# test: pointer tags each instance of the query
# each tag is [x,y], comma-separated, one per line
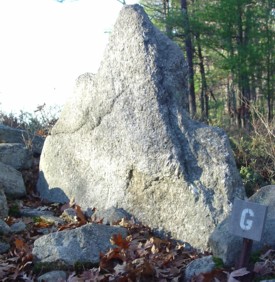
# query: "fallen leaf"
[19,244]
[80,215]
[118,240]
[237,273]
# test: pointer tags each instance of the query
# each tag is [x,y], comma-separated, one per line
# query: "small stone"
[69,215]
[4,247]
[110,216]
[198,266]
[18,227]
[3,203]
[30,212]
[4,228]
[52,276]
[53,219]
[12,181]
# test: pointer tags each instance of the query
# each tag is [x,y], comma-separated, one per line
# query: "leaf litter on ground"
[141,256]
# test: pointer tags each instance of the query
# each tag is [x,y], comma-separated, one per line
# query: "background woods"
[229,46]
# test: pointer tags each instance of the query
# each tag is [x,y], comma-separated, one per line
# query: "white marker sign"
[248,219]
[245,223]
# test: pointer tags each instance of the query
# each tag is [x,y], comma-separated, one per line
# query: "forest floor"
[141,256]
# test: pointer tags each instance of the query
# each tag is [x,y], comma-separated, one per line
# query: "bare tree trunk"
[204,88]
[243,79]
[189,55]
[270,87]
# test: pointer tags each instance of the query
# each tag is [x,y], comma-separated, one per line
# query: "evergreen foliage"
[234,65]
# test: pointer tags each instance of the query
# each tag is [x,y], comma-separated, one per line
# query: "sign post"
[247,221]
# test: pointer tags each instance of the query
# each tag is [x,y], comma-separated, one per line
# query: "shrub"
[255,152]
[40,122]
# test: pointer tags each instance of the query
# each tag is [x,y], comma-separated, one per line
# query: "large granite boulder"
[125,140]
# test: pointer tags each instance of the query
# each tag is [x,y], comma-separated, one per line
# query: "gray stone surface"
[3,203]
[4,247]
[35,212]
[228,247]
[18,227]
[4,227]
[12,181]
[53,219]
[53,276]
[110,216]
[69,215]
[198,266]
[16,155]
[129,142]
[13,135]
[82,244]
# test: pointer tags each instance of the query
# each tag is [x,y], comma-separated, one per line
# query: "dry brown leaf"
[19,244]
[118,240]
[80,215]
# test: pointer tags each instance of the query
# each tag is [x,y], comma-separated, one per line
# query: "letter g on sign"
[245,223]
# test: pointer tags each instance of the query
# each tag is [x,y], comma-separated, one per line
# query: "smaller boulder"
[12,181]
[35,212]
[4,228]
[82,245]
[13,135]
[198,266]
[3,203]
[69,215]
[228,246]
[16,155]
[111,216]
[18,227]
[53,276]
[4,247]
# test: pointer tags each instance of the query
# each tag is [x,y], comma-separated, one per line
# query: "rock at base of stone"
[198,266]
[3,203]
[12,181]
[228,246]
[82,245]
[53,276]
[110,216]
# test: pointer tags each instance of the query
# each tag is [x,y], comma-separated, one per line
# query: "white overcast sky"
[45,45]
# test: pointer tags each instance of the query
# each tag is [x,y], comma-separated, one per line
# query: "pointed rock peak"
[140,63]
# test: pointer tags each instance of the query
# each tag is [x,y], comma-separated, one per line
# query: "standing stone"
[125,140]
